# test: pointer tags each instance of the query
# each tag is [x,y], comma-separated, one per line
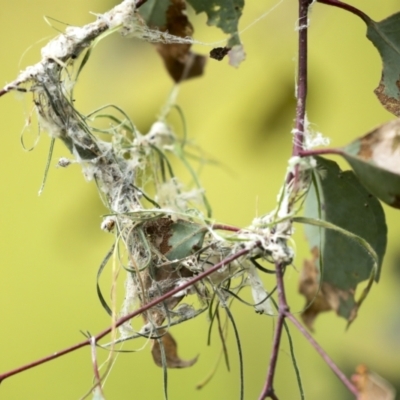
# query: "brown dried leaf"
[374,157]
[320,297]
[382,146]
[157,280]
[179,61]
[171,353]
[159,232]
[371,386]
[385,37]
[391,104]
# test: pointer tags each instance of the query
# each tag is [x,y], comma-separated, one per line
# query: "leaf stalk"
[346,7]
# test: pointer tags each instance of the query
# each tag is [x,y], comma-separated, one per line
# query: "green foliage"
[338,198]
[224,14]
[185,238]
[154,12]
[385,35]
[166,240]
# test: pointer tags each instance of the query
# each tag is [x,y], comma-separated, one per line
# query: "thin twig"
[122,320]
[317,152]
[331,364]
[302,80]
[224,227]
[298,150]
[347,7]
[292,178]
[283,308]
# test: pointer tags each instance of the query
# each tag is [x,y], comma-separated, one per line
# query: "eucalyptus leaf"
[375,160]
[223,14]
[171,17]
[345,256]
[186,237]
[154,12]
[385,35]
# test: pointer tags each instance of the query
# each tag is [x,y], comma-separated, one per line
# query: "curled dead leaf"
[382,146]
[180,62]
[374,158]
[171,352]
[371,386]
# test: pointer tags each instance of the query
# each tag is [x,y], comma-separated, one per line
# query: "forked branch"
[293,179]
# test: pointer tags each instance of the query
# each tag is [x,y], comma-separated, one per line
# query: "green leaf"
[344,256]
[154,12]
[385,35]
[375,160]
[223,14]
[186,237]
[175,240]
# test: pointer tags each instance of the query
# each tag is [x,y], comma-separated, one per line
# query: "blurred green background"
[51,246]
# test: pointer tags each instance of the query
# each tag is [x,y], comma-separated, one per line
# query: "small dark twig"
[139,3]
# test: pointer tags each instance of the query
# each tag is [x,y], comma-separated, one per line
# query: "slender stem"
[268,389]
[95,366]
[122,320]
[323,354]
[317,152]
[283,308]
[302,80]
[347,7]
[299,151]
[224,227]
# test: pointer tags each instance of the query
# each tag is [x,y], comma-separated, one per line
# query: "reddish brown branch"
[323,354]
[298,150]
[268,390]
[347,7]
[318,152]
[301,90]
[302,80]
[224,227]
[122,320]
